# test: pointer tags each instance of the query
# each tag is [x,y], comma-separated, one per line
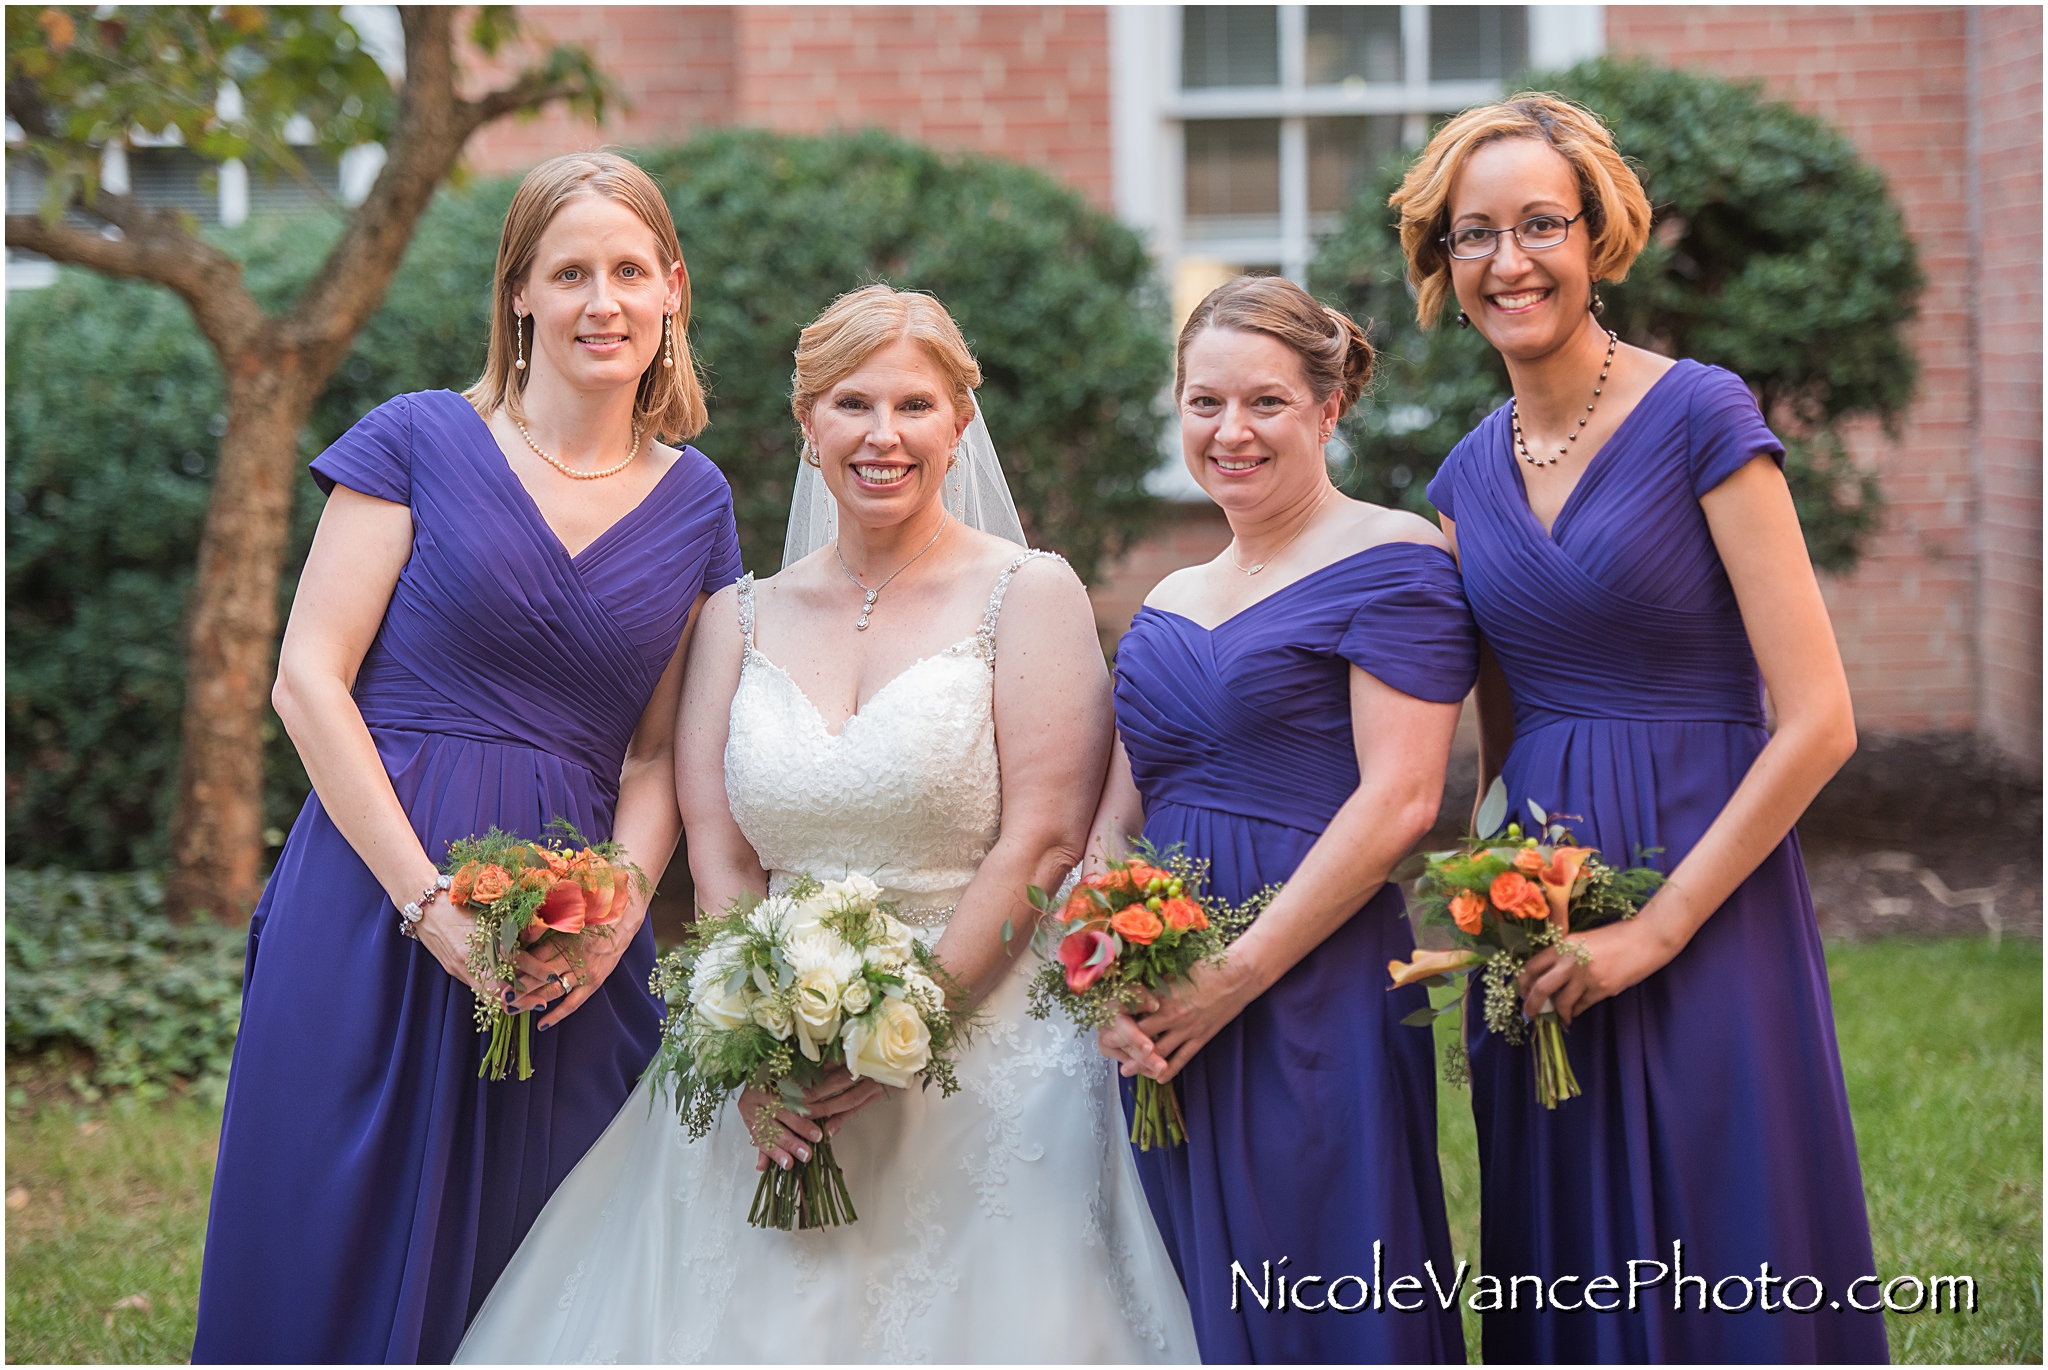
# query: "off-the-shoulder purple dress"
[370,1187]
[1312,1116]
[1713,1112]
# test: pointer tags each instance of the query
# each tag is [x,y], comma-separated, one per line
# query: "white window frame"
[1149,111]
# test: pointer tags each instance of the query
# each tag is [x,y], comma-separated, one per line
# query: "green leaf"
[1536,811]
[1493,810]
[1009,931]
[1422,1017]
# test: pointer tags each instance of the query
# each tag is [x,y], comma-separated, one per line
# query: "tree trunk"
[217,828]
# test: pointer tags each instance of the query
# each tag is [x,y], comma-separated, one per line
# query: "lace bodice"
[908,792]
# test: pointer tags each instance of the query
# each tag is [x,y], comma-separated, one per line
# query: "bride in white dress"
[846,715]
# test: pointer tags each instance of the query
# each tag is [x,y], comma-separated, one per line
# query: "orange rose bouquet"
[1503,899]
[521,893]
[1138,926]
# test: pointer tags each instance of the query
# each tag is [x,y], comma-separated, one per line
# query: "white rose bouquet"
[777,991]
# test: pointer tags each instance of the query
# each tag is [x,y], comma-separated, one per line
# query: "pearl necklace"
[570,471]
[868,605]
[1231,550]
[1515,412]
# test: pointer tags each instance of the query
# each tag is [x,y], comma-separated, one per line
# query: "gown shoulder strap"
[985,635]
[745,585]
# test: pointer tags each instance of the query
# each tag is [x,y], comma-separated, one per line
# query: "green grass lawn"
[1941,1042]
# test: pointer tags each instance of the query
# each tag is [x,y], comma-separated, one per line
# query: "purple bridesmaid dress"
[1312,1116]
[370,1187]
[1713,1113]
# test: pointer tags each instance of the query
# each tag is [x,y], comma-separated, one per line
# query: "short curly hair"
[1610,193]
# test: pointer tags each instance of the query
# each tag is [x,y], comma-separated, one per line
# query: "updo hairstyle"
[670,400]
[861,323]
[1610,193]
[1334,353]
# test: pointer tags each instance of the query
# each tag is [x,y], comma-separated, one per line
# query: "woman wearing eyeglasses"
[1630,551]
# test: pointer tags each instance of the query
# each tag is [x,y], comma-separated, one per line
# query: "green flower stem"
[1554,1079]
[1156,1119]
[812,1194]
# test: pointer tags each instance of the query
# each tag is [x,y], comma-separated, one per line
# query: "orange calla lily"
[1557,879]
[1428,963]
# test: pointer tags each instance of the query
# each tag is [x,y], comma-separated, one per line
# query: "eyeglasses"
[1544,230]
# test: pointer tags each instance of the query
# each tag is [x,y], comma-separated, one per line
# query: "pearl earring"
[668,356]
[519,340]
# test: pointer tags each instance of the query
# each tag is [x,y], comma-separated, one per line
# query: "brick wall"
[673,65]
[1027,82]
[2007,67]
[1896,81]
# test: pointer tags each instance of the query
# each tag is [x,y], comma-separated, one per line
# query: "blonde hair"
[1333,349]
[861,323]
[670,401]
[1610,194]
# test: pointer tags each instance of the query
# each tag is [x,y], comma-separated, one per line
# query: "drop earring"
[1599,306]
[519,340]
[668,344]
[1463,322]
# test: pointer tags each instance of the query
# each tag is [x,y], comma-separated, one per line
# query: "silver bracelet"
[409,916]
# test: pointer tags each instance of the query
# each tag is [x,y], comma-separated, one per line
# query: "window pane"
[175,178]
[1347,41]
[1229,45]
[1342,154]
[274,192]
[1233,167]
[1477,42]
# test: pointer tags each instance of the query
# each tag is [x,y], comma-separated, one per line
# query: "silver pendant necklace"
[868,606]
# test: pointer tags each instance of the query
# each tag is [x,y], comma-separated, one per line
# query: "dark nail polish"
[545,1026]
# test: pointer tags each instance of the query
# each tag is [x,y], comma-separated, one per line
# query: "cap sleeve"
[724,566]
[1727,430]
[1414,631]
[374,457]
[1440,488]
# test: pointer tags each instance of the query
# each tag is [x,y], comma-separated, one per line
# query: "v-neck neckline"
[1597,462]
[504,464]
[1324,569]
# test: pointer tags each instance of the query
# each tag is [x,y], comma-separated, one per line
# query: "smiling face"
[597,292]
[1527,304]
[1251,429]
[885,433]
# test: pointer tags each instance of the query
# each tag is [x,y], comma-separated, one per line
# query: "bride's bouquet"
[777,991]
[521,894]
[1504,898]
[1136,928]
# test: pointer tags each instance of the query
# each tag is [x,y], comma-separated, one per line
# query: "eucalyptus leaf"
[1493,810]
[1010,929]
[1422,1017]
[1536,810]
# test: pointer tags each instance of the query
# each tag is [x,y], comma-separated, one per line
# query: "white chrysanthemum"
[773,916]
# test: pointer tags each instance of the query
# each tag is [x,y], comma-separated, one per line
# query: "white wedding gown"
[1005,1223]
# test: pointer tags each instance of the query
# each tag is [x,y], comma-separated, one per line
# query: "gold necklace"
[1515,412]
[868,605]
[1231,550]
[571,472]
